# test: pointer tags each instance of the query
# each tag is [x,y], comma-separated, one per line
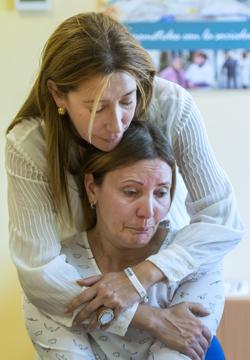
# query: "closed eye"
[99,109]
[127,103]
[162,193]
[130,192]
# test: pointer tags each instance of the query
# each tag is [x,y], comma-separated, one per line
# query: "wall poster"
[196,43]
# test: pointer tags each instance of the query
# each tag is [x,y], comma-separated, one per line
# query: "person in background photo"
[244,68]
[175,72]
[200,73]
[230,71]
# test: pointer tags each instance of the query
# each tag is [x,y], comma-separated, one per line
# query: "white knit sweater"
[36,234]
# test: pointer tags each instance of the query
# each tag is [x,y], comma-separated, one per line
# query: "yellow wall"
[22,36]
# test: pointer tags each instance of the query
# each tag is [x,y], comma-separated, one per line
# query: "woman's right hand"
[178,327]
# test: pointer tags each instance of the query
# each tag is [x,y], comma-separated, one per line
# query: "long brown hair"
[83,46]
[141,141]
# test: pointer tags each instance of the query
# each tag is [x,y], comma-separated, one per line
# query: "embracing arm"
[46,277]
[190,312]
[178,327]
[48,281]
[215,227]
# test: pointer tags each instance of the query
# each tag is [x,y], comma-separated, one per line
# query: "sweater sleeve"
[215,226]
[47,280]
[46,277]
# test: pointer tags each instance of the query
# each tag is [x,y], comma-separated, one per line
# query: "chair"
[215,351]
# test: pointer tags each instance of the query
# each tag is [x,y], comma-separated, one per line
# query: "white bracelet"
[137,284]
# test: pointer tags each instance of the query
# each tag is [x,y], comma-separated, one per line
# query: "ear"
[58,96]
[91,188]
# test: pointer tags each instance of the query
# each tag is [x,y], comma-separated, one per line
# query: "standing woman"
[94,78]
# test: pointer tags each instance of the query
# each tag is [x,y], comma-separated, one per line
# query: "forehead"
[150,171]
[118,84]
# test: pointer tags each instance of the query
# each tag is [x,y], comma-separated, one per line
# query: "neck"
[110,258]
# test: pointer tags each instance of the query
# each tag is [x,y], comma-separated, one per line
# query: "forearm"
[178,327]
[148,274]
[143,318]
[47,280]
[213,231]
[51,287]
[208,290]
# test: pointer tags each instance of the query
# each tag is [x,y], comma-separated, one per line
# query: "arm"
[184,322]
[178,327]
[215,227]
[46,278]
[48,281]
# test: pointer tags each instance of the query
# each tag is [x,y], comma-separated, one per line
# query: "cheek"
[80,121]
[111,207]
[163,210]
[128,115]
[120,211]
[128,120]
[132,113]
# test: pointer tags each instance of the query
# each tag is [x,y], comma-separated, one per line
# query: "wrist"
[143,318]
[148,274]
[137,284]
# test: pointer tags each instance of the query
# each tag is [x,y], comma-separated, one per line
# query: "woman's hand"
[113,290]
[178,327]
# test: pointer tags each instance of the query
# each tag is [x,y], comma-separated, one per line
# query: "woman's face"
[131,202]
[114,113]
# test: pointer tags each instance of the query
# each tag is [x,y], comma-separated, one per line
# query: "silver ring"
[105,316]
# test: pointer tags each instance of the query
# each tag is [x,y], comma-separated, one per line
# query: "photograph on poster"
[204,69]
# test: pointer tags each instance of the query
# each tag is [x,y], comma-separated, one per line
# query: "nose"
[114,121]
[146,208]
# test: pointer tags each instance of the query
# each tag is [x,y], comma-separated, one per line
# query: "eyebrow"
[167,183]
[103,100]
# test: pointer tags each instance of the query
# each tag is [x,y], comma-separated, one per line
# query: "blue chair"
[215,351]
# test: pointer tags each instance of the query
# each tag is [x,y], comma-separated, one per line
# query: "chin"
[142,241]
[109,147]
[105,147]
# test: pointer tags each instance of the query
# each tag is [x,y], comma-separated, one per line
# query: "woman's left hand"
[113,290]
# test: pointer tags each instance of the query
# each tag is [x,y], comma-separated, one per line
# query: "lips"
[114,138]
[140,229]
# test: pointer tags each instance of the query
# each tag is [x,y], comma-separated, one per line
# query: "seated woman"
[127,193]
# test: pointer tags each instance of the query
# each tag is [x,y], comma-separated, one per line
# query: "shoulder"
[171,96]
[27,139]
[174,103]
[165,89]
[26,131]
